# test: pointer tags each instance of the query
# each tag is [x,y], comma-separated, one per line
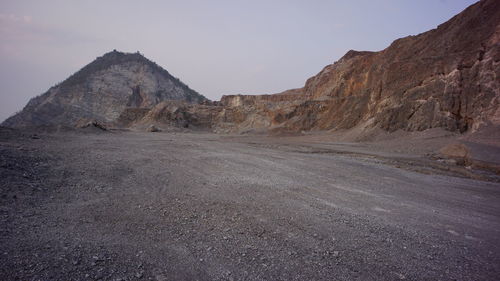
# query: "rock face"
[102,90]
[447,77]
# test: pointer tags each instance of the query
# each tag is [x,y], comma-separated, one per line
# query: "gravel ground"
[166,206]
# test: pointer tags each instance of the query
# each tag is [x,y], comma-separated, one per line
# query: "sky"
[216,47]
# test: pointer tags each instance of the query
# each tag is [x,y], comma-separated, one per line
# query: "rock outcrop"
[447,77]
[102,90]
[84,123]
[176,114]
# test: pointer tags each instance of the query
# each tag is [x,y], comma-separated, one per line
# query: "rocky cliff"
[447,77]
[102,90]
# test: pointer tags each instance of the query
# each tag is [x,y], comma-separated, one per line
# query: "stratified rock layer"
[447,77]
[102,90]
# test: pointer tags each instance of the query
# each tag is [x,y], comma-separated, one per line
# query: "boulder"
[456,151]
[153,129]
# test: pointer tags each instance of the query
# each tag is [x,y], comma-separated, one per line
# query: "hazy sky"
[216,47]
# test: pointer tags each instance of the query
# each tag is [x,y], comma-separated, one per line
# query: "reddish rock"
[456,151]
[446,77]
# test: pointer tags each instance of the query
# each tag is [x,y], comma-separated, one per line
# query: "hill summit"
[102,90]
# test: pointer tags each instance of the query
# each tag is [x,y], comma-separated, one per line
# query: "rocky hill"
[102,90]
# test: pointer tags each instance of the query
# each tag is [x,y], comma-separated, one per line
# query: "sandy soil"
[170,206]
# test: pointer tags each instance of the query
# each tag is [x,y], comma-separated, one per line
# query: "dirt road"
[164,206]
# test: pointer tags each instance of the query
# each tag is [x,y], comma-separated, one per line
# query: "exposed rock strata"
[447,77]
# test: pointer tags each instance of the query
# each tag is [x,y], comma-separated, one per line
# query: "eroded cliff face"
[102,90]
[447,77]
